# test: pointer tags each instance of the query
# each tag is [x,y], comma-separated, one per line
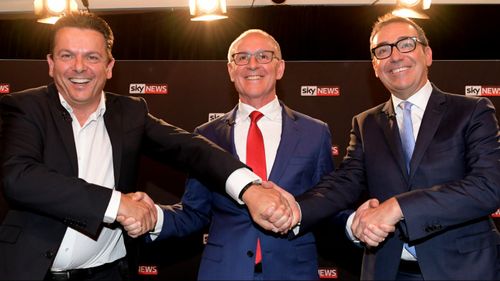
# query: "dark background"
[456,32]
[333,38]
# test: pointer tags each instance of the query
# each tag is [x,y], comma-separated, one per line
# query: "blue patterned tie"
[407,138]
[408,141]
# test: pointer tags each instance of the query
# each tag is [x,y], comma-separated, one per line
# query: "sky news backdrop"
[189,93]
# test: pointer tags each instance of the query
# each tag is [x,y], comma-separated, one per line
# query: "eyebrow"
[399,38]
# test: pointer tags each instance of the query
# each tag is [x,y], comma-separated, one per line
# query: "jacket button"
[250,253]
[49,254]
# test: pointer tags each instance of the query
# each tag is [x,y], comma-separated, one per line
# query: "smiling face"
[256,82]
[80,66]
[403,74]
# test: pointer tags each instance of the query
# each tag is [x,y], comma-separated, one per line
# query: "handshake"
[274,209]
[269,205]
[137,213]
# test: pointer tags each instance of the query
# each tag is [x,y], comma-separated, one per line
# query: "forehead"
[79,36]
[392,32]
[254,41]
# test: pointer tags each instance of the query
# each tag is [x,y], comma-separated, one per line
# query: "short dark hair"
[84,20]
[390,18]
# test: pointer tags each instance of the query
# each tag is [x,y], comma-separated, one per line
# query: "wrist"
[246,187]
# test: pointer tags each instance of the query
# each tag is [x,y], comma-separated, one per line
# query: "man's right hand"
[137,213]
[272,208]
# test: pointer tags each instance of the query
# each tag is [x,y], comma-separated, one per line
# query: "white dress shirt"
[95,165]
[269,125]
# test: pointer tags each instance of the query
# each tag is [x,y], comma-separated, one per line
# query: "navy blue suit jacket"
[303,156]
[447,199]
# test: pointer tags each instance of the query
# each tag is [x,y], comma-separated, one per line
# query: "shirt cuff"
[159,224]
[348,230]
[237,180]
[296,228]
[112,210]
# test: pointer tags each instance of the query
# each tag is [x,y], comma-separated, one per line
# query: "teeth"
[253,77]
[79,80]
[399,69]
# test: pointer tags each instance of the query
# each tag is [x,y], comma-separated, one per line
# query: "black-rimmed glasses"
[404,45]
[262,57]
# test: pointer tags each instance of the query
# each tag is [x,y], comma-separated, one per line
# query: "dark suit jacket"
[303,156]
[453,187]
[39,165]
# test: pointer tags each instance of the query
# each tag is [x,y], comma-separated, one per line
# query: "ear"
[50,61]
[109,69]
[375,66]
[428,56]
[230,70]
[280,70]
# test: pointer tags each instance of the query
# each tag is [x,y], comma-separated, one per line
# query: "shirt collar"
[101,108]
[419,99]
[272,110]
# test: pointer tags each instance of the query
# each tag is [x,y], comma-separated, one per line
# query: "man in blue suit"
[297,152]
[434,221]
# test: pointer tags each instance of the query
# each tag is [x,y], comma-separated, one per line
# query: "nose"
[396,54]
[252,63]
[79,64]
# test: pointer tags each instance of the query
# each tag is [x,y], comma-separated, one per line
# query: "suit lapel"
[225,132]
[290,137]
[113,121]
[430,122]
[62,120]
[389,125]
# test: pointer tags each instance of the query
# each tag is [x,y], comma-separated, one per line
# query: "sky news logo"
[327,273]
[147,270]
[335,150]
[320,91]
[483,91]
[496,214]
[213,116]
[148,89]
[4,88]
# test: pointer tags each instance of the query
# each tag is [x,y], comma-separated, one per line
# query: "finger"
[370,242]
[265,224]
[132,227]
[387,228]
[373,233]
[128,221]
[147,199]
[373,203]
[268,213]
[134,233]
[283,225]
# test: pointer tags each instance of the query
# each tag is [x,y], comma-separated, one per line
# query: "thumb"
[374,203]
[268,184]
[137,196]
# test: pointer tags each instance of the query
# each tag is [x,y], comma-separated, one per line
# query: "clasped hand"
[272,207]
[137,213]
[373,221]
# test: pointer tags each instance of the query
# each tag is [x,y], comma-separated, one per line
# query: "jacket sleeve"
[32,153]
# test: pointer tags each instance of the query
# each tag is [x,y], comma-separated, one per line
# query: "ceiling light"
[49,11]
[207,10]
[412,8]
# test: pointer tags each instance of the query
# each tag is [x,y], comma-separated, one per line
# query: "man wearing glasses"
[296,152]
[429,160]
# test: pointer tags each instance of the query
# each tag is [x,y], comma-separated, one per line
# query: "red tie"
[256,159]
